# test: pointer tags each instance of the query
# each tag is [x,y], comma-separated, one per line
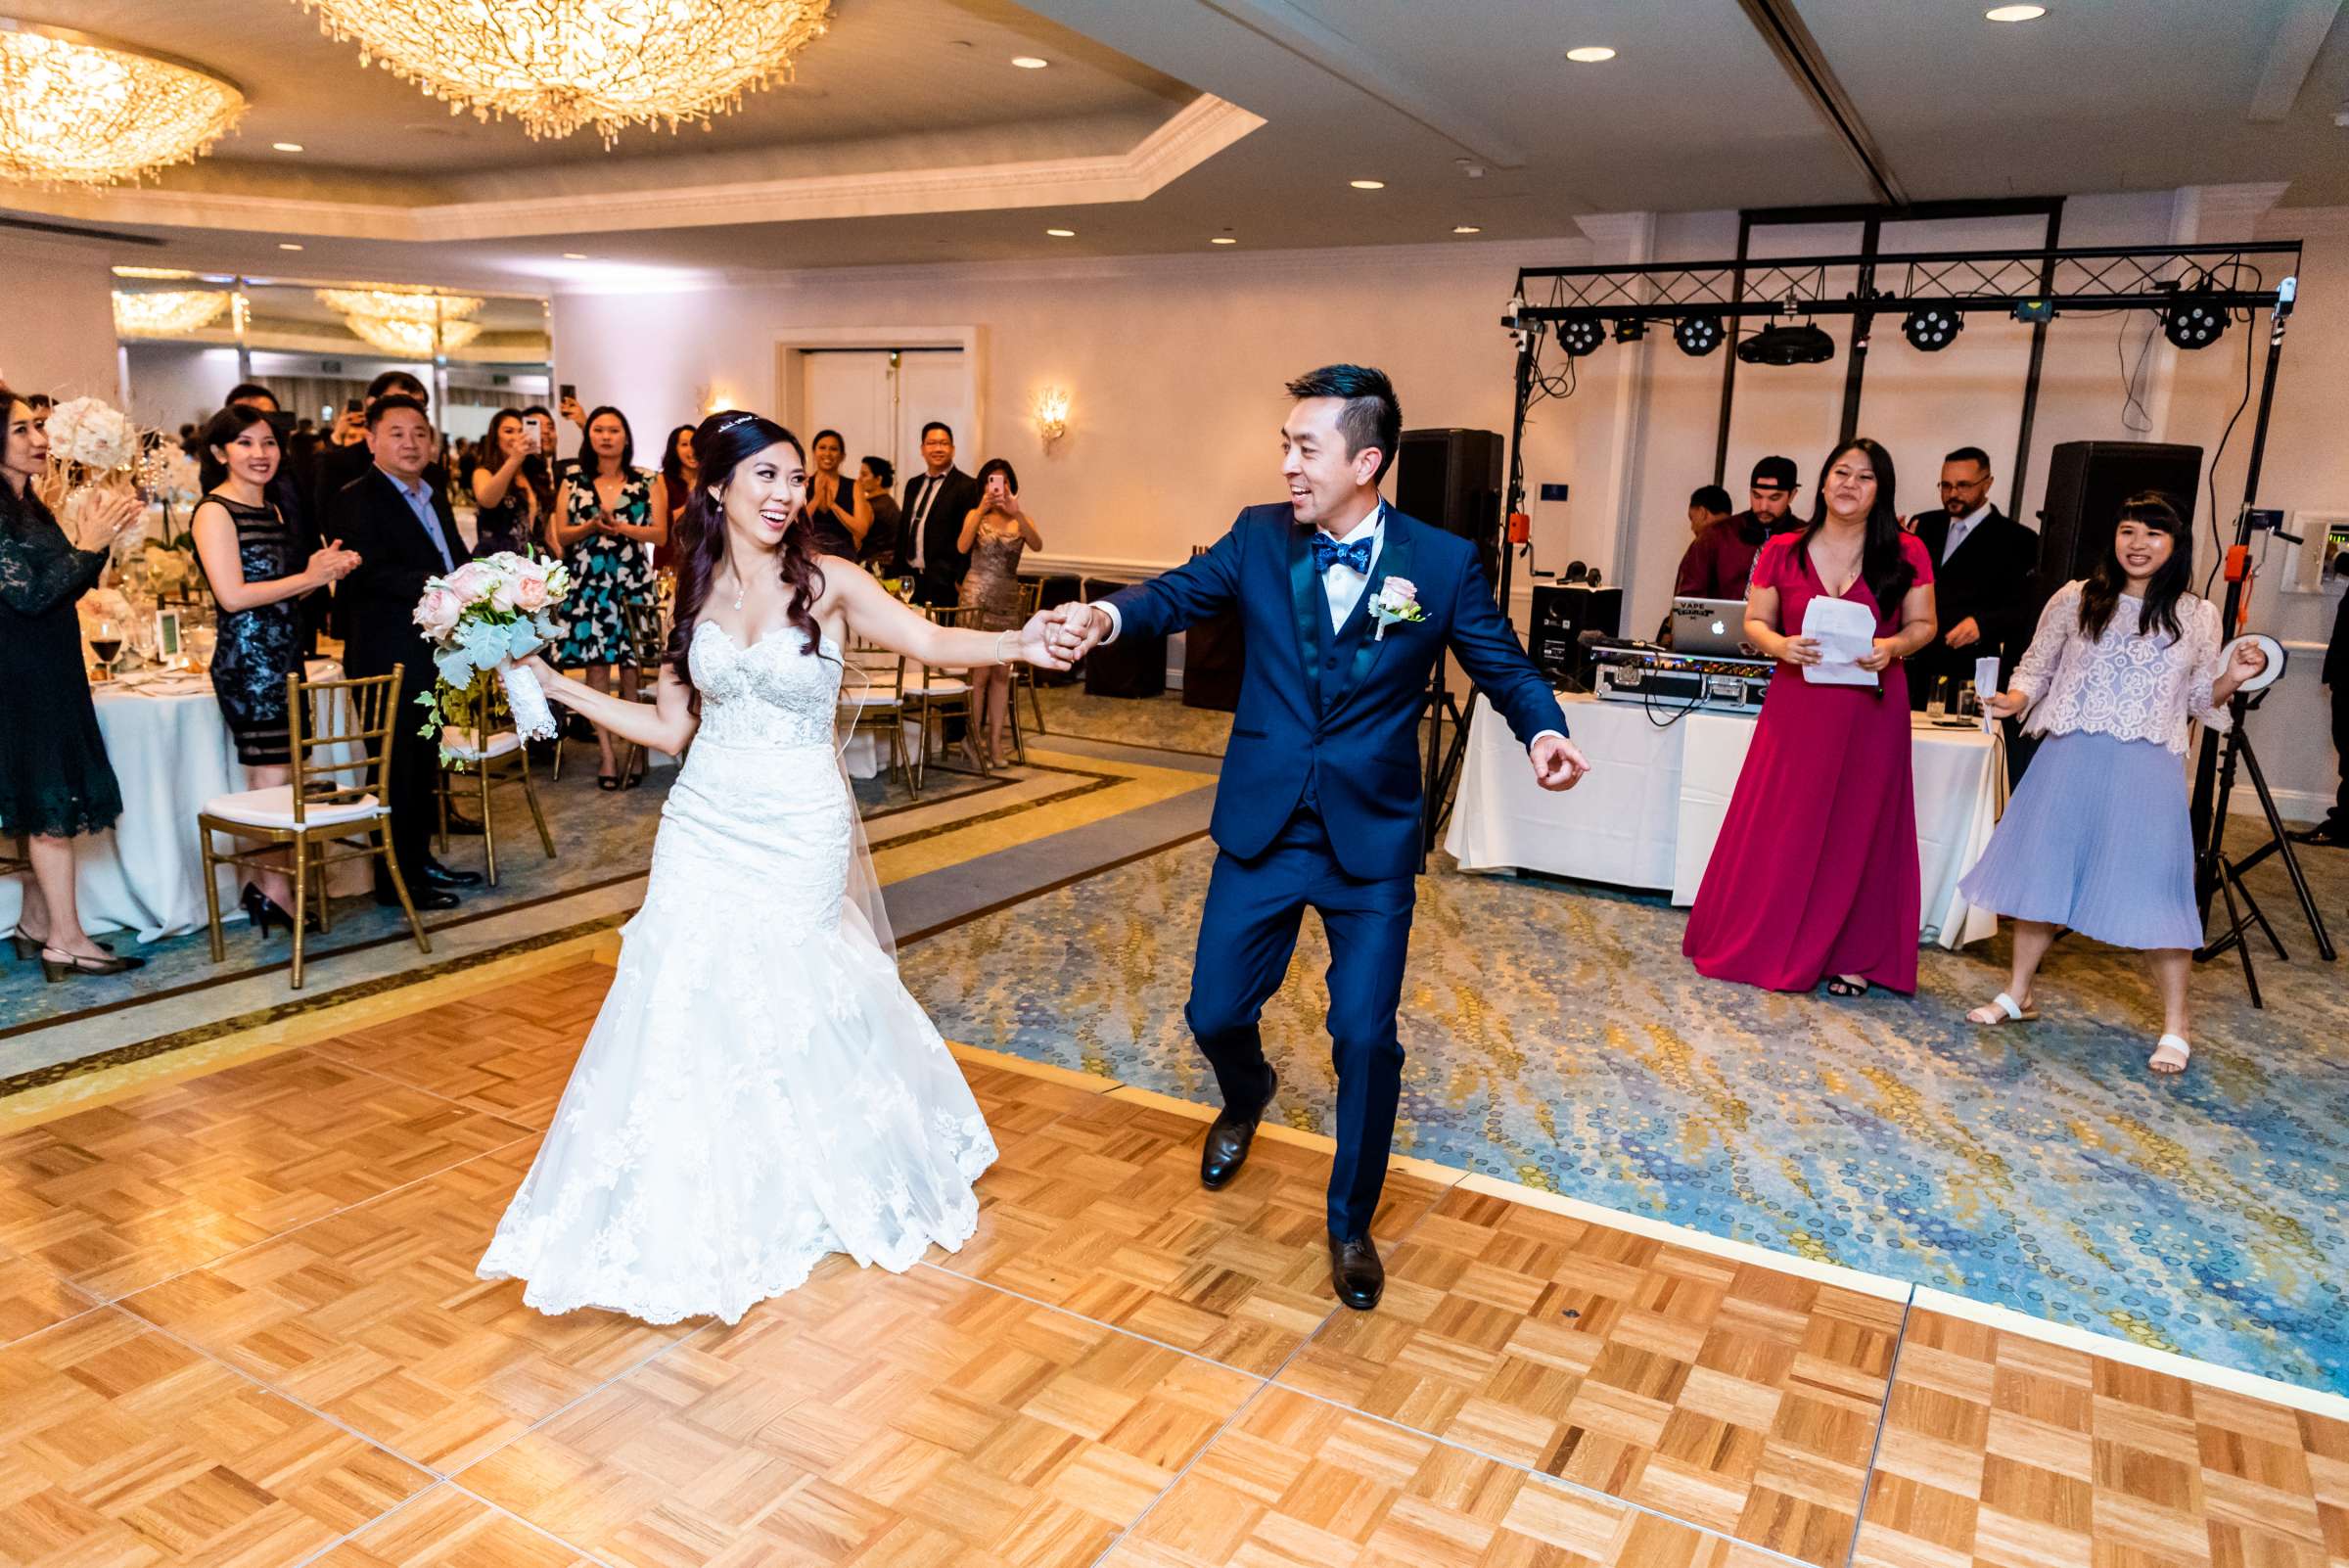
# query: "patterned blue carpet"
[1555,1036]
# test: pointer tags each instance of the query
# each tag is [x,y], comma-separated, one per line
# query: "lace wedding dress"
[758,1089]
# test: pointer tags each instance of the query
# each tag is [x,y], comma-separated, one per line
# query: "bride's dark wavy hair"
[721,444]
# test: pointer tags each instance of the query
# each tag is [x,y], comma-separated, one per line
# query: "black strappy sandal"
[607,781]
[1837,985]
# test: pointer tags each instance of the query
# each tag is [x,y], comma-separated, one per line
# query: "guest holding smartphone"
[2097,837]
[607,519]
[506,487]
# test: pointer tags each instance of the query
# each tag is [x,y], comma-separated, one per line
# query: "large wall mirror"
[187,339]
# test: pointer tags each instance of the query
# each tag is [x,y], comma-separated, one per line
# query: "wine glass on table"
[106,645]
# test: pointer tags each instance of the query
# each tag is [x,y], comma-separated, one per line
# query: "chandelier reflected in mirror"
[77,109]
[560,64]
[415,340]
[389,302]
[167,313]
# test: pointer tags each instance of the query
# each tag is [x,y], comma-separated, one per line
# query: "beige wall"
[57,333]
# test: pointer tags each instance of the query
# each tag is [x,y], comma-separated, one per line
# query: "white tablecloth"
[1652,807]
[171,752]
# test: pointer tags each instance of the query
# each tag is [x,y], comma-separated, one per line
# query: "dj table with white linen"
[171,752]
[1647,814]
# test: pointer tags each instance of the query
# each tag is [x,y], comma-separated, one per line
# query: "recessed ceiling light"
[286,147]
[2016,13]
[1062,234]
[1030,62]
[1223,239]
[574,256]
[1367,185]
[1590,54]
[288,244]
[1467,228]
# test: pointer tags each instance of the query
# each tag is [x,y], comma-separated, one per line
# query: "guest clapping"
[1815,874]
[838,510]
[55,781]
[681,472]
[507,484]
[874,477]
[254,563]
[994,536]
[2096,837]
[607,520]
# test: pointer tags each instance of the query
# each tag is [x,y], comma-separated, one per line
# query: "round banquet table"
[171,752]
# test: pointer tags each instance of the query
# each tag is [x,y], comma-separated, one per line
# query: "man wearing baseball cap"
[1719,560]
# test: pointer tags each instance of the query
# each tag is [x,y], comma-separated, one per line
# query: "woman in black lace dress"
[55,781]
[509,489]
[253,563]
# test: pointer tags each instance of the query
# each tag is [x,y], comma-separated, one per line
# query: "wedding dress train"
[758,1089]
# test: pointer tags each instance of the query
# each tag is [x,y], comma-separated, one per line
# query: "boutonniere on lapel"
[1398,600]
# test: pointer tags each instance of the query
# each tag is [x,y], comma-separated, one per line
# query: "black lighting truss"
[2051,282]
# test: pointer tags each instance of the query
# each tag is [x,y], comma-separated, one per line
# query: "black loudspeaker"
[2087,483]
[1560,617]
[1451,479]
[1130,667]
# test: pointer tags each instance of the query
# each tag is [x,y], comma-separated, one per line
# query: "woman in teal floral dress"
[607,521]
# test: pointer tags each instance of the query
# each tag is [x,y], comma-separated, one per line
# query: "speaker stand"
[2228,875]
[1442,763]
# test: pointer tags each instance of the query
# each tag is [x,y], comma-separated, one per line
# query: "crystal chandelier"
[387,301]
[167,312]
[559,65]
[413,340]
[78,110]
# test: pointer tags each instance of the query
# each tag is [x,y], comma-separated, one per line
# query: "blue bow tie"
[1328,552]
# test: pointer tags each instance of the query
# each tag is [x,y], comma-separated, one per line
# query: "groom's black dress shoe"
[437,875]
[1356,1274]
[1228,1140]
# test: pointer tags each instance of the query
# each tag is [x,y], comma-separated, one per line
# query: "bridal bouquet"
[480,619]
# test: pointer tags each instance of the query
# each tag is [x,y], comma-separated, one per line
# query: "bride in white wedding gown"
[758,1089]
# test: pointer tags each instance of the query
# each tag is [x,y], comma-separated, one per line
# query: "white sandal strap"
[2172,1042]
[2008,1005]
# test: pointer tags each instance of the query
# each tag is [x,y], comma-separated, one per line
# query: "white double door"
[880,398]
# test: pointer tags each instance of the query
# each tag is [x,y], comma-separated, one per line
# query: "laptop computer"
[1709,626]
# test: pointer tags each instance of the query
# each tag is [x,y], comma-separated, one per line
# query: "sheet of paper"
[1846,633]
[1985,686]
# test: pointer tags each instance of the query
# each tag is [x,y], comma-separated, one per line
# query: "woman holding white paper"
[1815,874]
[2096,837]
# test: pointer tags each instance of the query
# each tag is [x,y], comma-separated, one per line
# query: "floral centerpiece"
[92,445]
[480,619]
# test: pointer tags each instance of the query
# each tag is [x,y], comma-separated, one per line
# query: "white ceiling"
[908,103]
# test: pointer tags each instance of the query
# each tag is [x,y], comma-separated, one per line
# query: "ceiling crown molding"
[1193,134]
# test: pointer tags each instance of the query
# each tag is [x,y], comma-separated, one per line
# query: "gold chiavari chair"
[340,739]
[872,697]
[499,758]
[934,696]
[1023,675]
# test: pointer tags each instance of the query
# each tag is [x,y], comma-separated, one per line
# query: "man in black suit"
[937,500]
[401,527]
[1983,563]
[2334,829]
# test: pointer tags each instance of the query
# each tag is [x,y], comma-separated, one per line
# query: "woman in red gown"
[1815,874]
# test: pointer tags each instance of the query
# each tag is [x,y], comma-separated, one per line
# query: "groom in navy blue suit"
[1347,605]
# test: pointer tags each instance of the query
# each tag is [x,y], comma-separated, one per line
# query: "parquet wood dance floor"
[239,1325]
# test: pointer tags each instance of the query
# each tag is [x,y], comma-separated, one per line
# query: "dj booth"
[1647,814]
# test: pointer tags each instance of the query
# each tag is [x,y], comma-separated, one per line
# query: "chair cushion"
[274,807]
[465,743]
[939,688]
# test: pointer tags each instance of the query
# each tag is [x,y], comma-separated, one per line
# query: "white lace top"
[2128,685]
[753,698]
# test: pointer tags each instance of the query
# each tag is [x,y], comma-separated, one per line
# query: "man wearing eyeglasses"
[1983,561]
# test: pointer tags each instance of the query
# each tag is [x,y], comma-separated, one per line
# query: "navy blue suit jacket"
[1352,727]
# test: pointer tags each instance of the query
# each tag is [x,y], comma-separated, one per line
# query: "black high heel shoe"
[67,964]
[264,911]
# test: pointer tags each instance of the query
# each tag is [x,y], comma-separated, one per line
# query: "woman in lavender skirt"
[2097,836]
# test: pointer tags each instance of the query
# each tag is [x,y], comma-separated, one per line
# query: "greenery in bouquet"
[480,619]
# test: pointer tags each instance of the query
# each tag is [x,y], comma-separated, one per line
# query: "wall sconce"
[711,400]
[1051,414]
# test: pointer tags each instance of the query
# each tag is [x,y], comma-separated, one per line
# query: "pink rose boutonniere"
[1398,600]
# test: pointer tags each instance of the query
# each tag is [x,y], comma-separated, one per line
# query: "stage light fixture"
[2193,323]
[2035,310]
[1580,336]
[1776,345]
[1932,328]
[1630,329]
[1697,335]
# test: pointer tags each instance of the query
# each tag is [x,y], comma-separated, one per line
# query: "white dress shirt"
[1960,527]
